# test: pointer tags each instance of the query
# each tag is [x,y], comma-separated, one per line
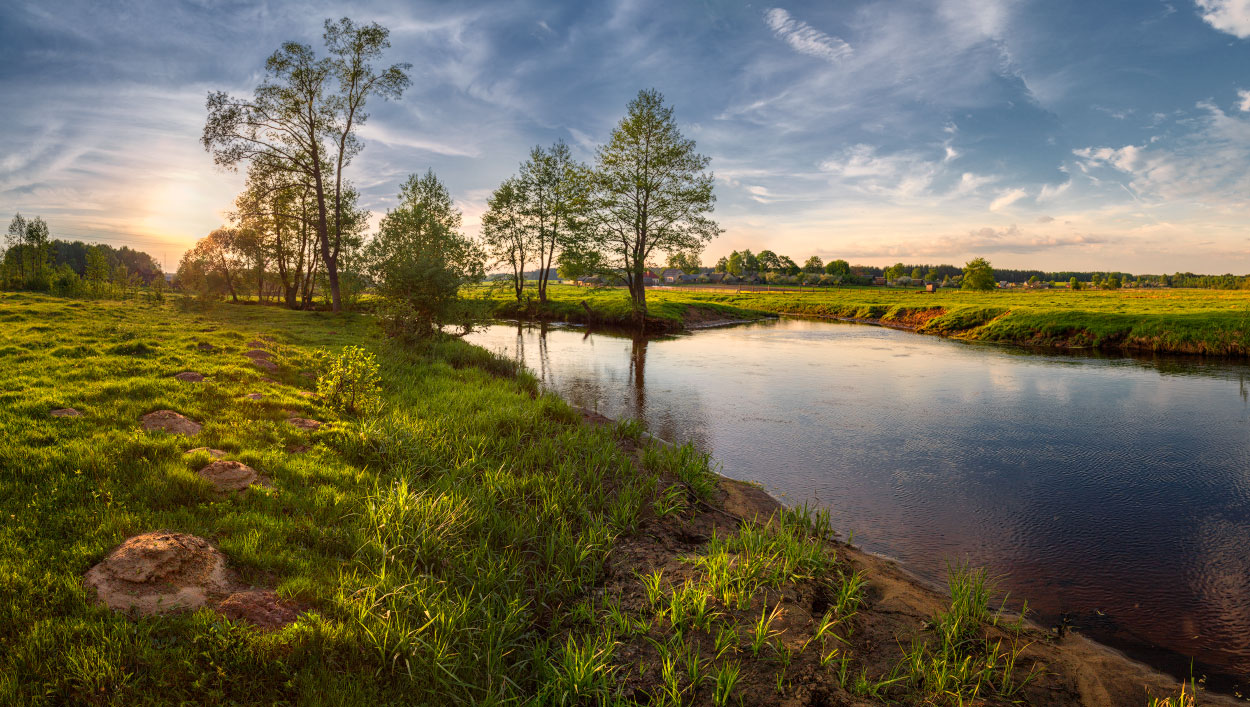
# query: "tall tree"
[553,186]
[768,260]
[303,102]
[652,193]
[16,240]
[814,264]
[505,233]
[978,275]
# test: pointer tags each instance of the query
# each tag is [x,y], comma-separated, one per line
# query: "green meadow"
[1213,322]
[473,541]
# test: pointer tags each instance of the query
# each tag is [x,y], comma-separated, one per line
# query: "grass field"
[1180,321]
[475,542]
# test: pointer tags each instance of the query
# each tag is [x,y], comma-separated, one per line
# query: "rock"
[229,475]
[258,343]
[205,346]
[65,412]
[254,396]
[265,364]
[257,354]
[190,377]
[214,453]
[169,421]
[304,423]
[262,608]
[158,573]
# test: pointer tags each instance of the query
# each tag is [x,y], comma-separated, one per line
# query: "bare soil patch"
[65,412]
[168,572]
[265,364]
[260,607]
[158,573]
[170,421]
[304,423]
[258,354]
[190,377]
[214,453]
[254,396]
[229,476]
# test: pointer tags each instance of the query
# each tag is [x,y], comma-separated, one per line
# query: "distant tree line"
[31,260]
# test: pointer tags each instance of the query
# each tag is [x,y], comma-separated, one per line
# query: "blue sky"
[1057,134]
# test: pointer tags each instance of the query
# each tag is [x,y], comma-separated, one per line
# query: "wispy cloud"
[1007,198]
[804,38]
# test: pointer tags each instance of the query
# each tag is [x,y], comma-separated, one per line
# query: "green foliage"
[351,383]
[420,260]
[978,276]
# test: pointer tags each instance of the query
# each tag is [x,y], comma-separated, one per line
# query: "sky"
[1056,134]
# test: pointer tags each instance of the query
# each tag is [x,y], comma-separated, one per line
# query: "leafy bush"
[351,383]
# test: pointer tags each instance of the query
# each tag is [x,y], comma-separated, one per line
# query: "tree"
[294,111]
[97,269]
[278,204]
[750,263]
[734,265]
[16,240]
[419,260]
[553,186]
[978,275]
[1113,283]
[722,264]
[917,274]
[931,275]
[789,266]
[1034,280]
[895,271]
[505,233]
[577,263]
[687,262]
[814,265]
[838,267]
[768,261]
[1074,284]
[651,193]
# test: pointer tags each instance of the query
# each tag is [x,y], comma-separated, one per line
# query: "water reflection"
[1114,489]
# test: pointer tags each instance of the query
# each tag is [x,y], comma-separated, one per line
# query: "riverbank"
[1207,322]
[476,541]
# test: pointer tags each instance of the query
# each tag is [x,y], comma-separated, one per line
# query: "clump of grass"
[961,663]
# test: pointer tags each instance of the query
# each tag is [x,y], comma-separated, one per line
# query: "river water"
[1113,489]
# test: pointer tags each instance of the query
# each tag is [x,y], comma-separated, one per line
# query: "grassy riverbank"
[476,542]
[1213,322]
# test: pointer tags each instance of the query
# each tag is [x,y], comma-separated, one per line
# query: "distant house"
[672,275]
[878,281]
[687,278]
[930,287]
[715,277]
[730,279]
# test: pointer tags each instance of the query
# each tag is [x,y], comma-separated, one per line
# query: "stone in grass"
[229,475]
[189,377]
[304,423]
[205,346]
[65,412]
[265,364]
[259,343]
[169,421]
[257,354]
[214,453]
[262,608]
[254,396]
[160,572]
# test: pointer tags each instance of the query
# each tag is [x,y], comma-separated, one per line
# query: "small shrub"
[351,383]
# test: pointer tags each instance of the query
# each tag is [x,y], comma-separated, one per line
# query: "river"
[1113,489]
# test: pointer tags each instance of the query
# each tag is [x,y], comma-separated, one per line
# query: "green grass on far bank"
[1165,320]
